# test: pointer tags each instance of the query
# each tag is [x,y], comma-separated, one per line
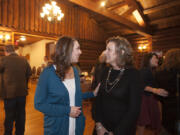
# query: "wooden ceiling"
[116,17]
[29,39]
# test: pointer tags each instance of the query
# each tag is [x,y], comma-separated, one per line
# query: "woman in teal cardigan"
[58,94]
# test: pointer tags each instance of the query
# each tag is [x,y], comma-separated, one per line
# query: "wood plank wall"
[24,16]
[166,39]
[90,53]
[135,41]
[162,40]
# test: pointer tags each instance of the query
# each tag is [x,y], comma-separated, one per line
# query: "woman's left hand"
[95,92]
[161,92]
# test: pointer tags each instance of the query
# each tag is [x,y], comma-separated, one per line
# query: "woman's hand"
[100,129]
[95,92]
[160,92]
[75,111]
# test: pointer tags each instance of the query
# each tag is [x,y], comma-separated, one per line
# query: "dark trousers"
[14,111]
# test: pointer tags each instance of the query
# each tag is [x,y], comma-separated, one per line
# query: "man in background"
[15,72]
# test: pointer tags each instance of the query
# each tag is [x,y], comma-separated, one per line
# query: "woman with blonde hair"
[167,78]
[119,97]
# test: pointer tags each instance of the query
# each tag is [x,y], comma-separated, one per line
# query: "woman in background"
[150,111]
[167,78]
[58,94]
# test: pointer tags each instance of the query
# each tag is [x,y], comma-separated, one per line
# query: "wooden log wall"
[135,41]
[166,39]
[162,40]
[24,16]
[90,53]
[1,51]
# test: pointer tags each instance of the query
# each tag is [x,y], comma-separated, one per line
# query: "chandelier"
[51,11]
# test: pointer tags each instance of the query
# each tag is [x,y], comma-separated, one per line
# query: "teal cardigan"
[52,99]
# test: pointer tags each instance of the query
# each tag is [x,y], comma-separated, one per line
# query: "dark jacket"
[118,106]
[97,76]
[52,99]
[167,79]
[15,72]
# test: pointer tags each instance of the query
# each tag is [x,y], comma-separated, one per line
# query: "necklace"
[112,84]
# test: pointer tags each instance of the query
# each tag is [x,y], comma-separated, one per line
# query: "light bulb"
[1,36]
[42,15]
[144,47]
[23,38]
[53,3]
[49,18]
[103,3]
[140,48]
[7,37]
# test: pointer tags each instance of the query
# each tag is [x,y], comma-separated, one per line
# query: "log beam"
[116,18]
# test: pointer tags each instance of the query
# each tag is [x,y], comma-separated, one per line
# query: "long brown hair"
[172,60]
[124,51]
[62,56]
[146,60]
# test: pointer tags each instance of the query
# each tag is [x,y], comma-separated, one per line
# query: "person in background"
[58,94]
[15,71]
[97,77]
[119,97]
[98,70]
[167,78]
[150,111]
[47,62]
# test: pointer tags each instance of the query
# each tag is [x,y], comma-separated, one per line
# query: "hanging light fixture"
[51,11]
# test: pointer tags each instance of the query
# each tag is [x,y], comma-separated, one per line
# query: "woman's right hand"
[160,92]
[75,111]
[100,129]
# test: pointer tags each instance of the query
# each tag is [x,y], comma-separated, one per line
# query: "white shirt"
[70,85]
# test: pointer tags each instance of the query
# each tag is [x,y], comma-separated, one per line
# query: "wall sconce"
[142,48]
[6,37]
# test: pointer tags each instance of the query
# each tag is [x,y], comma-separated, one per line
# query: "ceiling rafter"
[135,5]
[165,19]
[161,7]
[129,11]
[118,30]
[116,18]
[117,5]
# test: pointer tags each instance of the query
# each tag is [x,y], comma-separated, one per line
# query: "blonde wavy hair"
[172,60]
[124,51]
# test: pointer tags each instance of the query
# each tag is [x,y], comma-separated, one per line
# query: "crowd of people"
[126,100]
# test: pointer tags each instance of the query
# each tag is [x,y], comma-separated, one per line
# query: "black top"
[169,81]
[118,110]
[147,79]
[97,76]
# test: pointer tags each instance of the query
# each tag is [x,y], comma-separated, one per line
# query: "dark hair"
[62,56]
[146,60]
[172,60]
[9,48]
[124,51]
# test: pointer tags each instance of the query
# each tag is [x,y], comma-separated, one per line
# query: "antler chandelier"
[51,11]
